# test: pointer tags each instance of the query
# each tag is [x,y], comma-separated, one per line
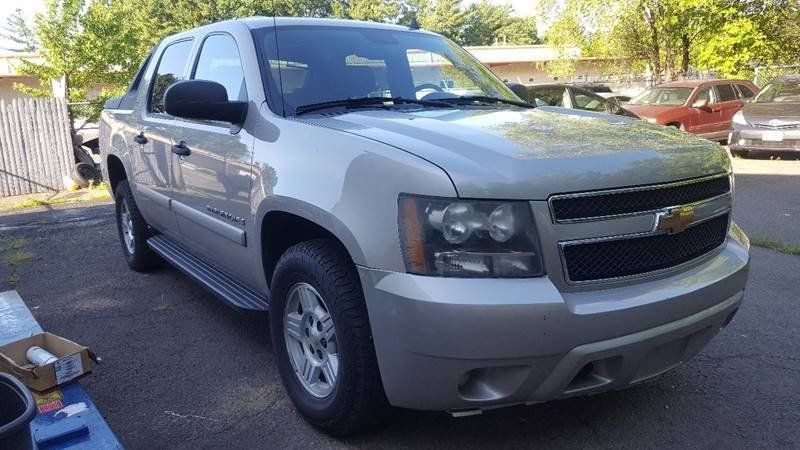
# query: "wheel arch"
[115,172]
[285,223]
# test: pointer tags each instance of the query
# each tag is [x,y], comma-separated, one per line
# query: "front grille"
[787,126]
[643,198]
[633,256]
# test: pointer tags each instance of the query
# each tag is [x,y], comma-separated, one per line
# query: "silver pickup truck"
[421,237]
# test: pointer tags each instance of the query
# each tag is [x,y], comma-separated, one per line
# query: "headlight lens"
[738,118]
[458,238]
[652,120]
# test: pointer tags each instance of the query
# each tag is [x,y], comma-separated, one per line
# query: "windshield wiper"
[485,99]
[365,102]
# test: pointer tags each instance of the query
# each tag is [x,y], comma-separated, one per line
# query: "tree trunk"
[685,43]
[655,47]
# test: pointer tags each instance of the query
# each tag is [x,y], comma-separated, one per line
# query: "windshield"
[779,93]
[317,64]
[674,96]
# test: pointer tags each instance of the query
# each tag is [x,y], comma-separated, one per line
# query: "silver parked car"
[421,237]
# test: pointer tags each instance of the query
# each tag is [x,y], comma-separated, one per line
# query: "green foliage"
[483,20]
[445,17]
[370,10]
[671,36]
[19,32]
[518,31]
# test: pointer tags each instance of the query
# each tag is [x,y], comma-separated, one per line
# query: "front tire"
[322,339]
[133,231]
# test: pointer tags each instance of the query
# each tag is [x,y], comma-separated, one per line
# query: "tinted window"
[550,96]
[726,93]
[170,69]
[746,91]
[587,102]
[219,61]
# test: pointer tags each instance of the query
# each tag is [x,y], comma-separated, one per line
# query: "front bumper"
[754,139]
[471,344]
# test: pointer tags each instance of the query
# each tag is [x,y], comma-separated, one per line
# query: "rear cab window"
[171,68]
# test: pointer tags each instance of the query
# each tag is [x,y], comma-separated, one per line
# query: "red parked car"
[701,107]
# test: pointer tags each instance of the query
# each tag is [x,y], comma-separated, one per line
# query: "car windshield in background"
[779,93]
[314,65]
[662,96]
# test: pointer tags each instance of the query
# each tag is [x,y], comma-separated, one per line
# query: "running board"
[220,284]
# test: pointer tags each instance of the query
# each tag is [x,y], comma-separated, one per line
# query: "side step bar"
[222,285]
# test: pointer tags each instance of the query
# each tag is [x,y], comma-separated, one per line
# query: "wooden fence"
[35,145]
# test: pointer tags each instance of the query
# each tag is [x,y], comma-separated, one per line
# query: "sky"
[30,7]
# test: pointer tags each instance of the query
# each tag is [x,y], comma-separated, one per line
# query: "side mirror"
[700,104]
[203,100]
[520,90]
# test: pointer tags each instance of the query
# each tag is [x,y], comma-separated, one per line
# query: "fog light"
[742,141]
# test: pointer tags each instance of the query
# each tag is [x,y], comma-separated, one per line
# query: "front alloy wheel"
[311,340]
[322,339]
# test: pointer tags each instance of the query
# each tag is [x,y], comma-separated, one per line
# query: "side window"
[705,94]
[726,93]
[551,96]
[219,61]
[170,69]
[746,91]
[587,102]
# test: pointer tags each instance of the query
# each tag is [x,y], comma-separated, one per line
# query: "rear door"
[211,193]
[728,104]
[151,155]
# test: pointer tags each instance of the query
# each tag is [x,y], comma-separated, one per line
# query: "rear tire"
[133,232]
[316,283]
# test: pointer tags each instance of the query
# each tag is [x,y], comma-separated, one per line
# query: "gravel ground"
[181,370]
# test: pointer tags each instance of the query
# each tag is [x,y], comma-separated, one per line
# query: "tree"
[85,46]
[370,10]
[673,35]
[518,31]
[482,21]
[17,31]
[445,17]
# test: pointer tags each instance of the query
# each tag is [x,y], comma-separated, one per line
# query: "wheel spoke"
[307,299]
[310,372]
[294,326]
[328,330]
[329,369]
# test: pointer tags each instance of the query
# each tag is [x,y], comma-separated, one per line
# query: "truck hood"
[651,111]
[532,154]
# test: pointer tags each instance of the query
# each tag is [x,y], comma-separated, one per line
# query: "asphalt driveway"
[181,370]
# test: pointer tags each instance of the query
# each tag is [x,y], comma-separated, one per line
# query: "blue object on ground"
[67,418]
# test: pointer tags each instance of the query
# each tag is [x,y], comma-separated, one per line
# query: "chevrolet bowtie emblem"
[674,220]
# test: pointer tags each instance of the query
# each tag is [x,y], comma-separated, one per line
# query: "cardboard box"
[73,361]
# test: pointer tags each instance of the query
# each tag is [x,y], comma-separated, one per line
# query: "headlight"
[652,120]
[738,118]
[466,238]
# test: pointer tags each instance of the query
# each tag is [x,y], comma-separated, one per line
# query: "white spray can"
[40,356]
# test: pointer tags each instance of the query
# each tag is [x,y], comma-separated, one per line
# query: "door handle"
[181,149]
[140,139]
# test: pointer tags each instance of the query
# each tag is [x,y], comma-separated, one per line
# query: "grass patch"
[13,279]
[18,258]
[776,246]
[94,192]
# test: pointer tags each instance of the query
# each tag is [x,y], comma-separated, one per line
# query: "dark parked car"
[701,107]
[567,96]
[771,121]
